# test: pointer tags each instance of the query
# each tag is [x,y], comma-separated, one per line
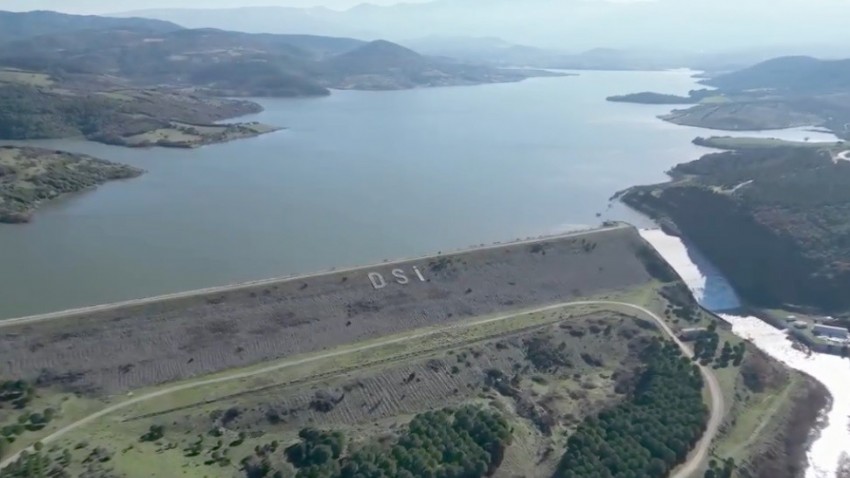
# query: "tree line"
[468,442]
[649,434]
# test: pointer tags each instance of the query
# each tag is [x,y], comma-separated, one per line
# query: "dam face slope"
[127,347]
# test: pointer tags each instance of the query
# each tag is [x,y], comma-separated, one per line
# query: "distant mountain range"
[572,25]
[17,26]
[312,21]
[152,52]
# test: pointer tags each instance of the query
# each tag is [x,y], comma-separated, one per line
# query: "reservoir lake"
[356,178]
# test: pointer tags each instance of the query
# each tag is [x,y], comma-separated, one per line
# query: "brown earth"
[120,349]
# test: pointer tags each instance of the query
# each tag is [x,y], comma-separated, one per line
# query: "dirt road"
[698,455]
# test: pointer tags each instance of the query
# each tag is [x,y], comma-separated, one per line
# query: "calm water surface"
[357,177]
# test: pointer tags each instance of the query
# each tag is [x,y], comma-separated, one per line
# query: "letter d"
[377,280]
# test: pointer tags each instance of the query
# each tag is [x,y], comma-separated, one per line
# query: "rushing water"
[715,293]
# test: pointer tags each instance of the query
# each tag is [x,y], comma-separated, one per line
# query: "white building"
[833,332]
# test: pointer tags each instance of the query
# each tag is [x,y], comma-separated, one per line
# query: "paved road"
[248,285]
[698,455]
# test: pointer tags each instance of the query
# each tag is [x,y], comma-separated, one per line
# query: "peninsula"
[780,93]
[31,176]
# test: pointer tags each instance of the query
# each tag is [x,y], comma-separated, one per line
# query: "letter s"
[377,280]
[400,277]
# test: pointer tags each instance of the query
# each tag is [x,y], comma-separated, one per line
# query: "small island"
[652,98]
[31,176]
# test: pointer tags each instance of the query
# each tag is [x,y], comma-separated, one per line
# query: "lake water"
[358,177]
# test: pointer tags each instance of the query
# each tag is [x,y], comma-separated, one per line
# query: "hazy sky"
[698,25]
[105,6]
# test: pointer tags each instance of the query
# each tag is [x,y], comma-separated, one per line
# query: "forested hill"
[233,63]
[793,74]
[17,26]
[775,219]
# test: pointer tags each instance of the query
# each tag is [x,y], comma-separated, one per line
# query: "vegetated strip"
[467,442]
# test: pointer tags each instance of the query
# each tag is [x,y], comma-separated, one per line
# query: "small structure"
[832,332]
[801,324]
[689,335]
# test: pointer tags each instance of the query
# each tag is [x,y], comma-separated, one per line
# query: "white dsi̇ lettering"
[419,274]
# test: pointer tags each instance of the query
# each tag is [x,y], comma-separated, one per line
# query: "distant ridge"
[310,21]
[378,56]
[799,73]
[228,63]
[19,26]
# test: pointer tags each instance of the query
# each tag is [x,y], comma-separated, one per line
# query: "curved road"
[698,455]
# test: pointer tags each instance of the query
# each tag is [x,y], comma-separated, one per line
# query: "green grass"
[762,414]
[68,407]
[25,78]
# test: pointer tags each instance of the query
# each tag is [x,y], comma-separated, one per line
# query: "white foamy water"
[715,293]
